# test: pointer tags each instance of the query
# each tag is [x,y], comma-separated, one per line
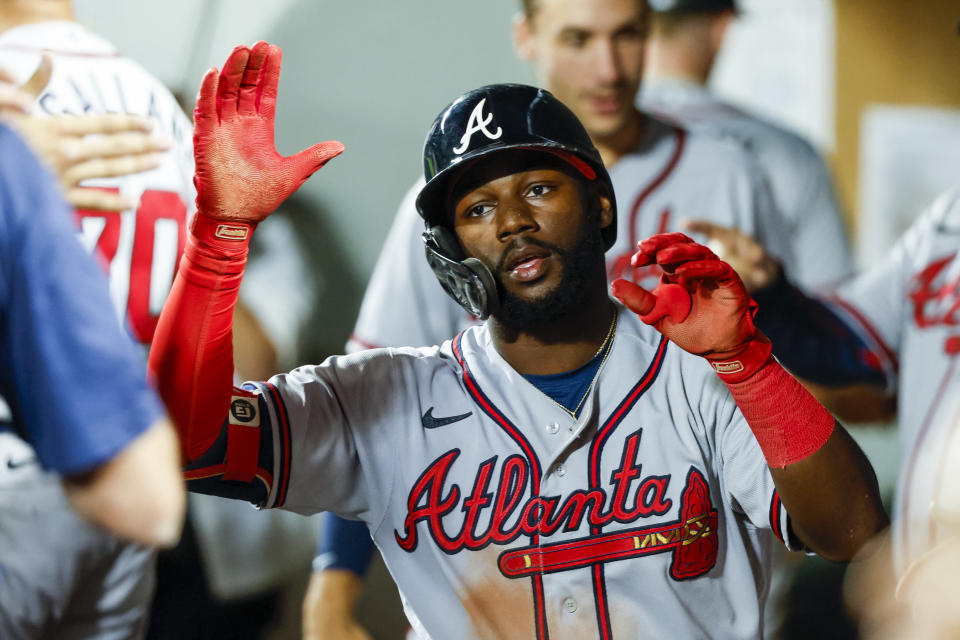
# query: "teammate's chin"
[577,270]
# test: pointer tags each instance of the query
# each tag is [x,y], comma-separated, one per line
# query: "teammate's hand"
[79,148]
[13,98]
[756,267]
[240,177]
[329,604]
[700,303]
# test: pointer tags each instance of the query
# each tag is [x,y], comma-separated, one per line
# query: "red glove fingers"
[228,89]
[649,248]
[670,300]
[711,269]
[249,85]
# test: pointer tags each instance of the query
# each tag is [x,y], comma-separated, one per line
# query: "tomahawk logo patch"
[477,123]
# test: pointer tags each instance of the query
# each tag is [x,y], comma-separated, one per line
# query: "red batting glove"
[700,304]
[240,177]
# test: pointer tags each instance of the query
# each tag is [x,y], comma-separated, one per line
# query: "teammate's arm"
[823,478]
[138,494]
[72,375]
[344,553]
[240,180]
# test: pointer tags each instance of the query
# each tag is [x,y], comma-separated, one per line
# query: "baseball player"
[107,438]
[685,38]
[590,55]
[565,469]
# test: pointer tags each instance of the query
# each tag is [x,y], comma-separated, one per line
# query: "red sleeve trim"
[283,424]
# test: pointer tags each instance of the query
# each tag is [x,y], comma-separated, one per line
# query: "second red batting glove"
[700,304]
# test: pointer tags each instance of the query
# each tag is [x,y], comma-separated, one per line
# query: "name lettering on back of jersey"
[477,123]
[499,509]
[936,299]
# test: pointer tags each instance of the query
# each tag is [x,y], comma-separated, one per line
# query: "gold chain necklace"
[603,347]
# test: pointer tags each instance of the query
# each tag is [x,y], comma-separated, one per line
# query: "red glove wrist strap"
[738,368]
[787,421]
[221,234]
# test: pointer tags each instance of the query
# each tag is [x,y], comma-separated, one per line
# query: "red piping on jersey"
[599,585]
[681,136]
[921,436]
[775,516]
[867,326]
[363,343]
[540,612]
[284,444]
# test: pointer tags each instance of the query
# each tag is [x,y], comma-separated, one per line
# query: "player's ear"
[523,37]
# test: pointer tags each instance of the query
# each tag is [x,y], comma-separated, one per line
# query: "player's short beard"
[580,265]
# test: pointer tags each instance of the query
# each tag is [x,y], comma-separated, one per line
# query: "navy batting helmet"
[486,121]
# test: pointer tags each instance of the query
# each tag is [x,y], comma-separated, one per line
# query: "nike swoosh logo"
[16,464]
[429,422]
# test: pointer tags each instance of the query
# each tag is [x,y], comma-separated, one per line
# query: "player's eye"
[540,189]
[573,38]
[477,210]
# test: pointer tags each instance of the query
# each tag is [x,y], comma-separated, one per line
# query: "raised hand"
[240,177]
[700,303]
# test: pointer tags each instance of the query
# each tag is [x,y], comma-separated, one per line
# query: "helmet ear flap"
[466,280]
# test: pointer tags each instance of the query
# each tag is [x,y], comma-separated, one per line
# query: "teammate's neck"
[689,66]
[14,13]
[614,146]
[569,342]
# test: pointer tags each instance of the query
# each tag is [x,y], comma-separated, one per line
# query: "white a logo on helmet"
[477,122]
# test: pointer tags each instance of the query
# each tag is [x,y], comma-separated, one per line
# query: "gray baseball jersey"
[907,308]
[671,175]
[97,586]
[500,515]
[798,177]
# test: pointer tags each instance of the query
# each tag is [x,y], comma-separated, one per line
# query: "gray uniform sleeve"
[805,193]
[404,304]
[337,428]
[876,304]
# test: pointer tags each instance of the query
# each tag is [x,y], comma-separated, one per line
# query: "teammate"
[139,245]
[685,38]
[890,330]
[107,437]
[590,54]
[563,469]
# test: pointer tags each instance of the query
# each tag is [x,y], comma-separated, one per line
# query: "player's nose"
[514,217]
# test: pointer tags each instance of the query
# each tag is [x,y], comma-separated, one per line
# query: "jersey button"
[560,470]
[569,605]
[552,428]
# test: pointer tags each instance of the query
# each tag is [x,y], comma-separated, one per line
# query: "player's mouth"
[606,104]
[526,264]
